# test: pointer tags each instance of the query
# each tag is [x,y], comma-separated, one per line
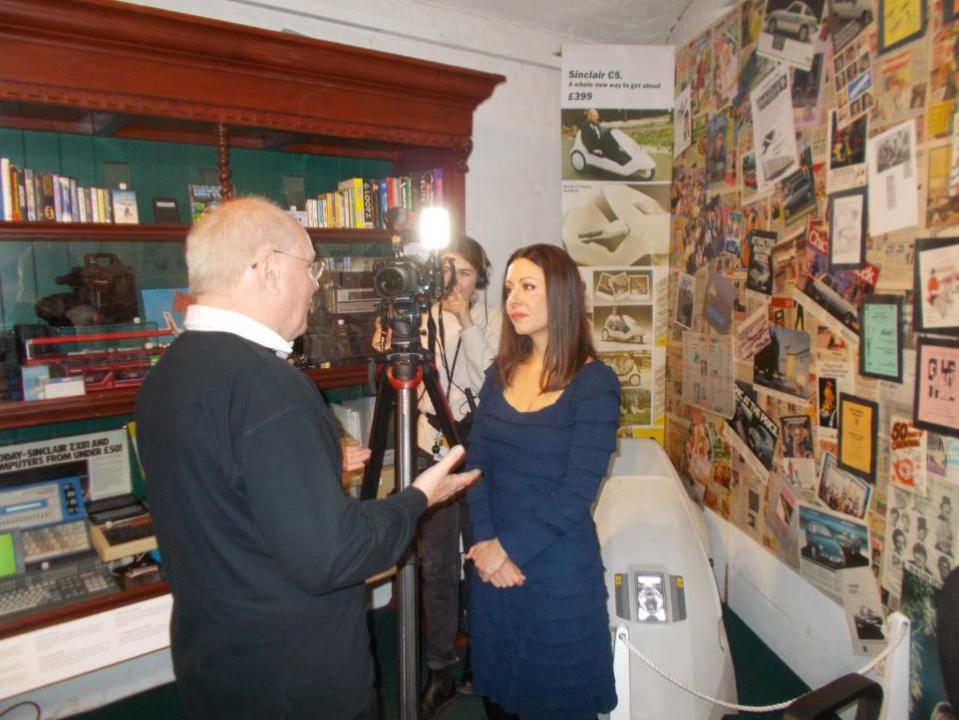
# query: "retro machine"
[663,597]
[638,163]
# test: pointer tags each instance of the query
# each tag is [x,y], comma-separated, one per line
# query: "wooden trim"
[120,402]
[90,232]
[118,57]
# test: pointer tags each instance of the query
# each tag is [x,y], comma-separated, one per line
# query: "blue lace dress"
[543,650]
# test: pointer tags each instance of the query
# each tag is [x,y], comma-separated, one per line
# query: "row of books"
[28,195]
[362,203]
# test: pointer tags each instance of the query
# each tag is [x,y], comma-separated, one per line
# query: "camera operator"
[467,340]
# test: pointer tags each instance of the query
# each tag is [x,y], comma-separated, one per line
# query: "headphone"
[485,268]
[482,276]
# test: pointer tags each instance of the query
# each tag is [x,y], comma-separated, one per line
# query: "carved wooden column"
[223,161]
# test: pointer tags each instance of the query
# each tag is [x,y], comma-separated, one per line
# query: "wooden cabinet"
[98,69]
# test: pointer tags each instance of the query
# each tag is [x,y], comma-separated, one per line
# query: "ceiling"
[609,22]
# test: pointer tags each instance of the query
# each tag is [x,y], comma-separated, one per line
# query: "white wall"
[512,189]
[698,15]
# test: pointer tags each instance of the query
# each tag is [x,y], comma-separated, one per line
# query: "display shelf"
[119,71]
[120,402]
[96,232]
[47,618]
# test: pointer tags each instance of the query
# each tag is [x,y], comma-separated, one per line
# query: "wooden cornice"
[109,56]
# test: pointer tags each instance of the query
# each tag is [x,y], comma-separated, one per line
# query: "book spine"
[48,197]
[29,182]
[74,200]
[66,208]
[108,205]
[367,204]
[384,203]
[6,211]
[18,192]
[57,199]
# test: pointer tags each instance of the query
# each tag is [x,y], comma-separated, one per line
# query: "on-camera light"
[435,228]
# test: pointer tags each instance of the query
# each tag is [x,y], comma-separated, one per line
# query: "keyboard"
[48,589]
[53,541]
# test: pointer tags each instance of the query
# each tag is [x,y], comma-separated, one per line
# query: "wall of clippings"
[811,392]
[617,145]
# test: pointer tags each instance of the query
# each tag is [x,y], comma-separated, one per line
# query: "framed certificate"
[880,338]
[858,432]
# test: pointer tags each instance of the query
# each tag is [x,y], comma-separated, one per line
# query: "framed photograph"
[936,399]
[900,22]
[847,229]
[759,276]
[880,337]
[842,491]
[166,211]
[936,275]
[685,294]
[858,433]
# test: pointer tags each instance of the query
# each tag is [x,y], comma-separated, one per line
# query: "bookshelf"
[172,92]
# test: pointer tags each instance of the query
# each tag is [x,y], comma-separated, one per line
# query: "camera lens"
[391,281]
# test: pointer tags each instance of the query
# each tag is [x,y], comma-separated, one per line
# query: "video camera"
[408,284]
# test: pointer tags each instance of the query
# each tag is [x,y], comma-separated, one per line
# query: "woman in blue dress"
[543,435]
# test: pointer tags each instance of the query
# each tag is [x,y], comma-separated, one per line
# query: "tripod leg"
[447,424]
[379,433]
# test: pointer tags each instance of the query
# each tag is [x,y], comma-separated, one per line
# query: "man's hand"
[438,484]
[354,457]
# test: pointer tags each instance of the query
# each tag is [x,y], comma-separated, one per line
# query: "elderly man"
[600,141]
[265,555]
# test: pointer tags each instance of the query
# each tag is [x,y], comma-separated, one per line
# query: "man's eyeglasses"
[314,267]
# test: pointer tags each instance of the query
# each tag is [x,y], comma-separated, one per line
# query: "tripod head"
[408,284]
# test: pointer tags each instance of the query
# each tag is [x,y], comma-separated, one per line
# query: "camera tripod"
[406,366]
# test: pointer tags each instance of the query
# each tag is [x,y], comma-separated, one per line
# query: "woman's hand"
[382,339]
[458,305]
[509,575]
[490,558]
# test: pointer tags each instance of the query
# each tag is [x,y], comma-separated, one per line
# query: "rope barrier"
[621,636]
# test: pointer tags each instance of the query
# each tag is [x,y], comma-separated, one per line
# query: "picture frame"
[937,286]
[166,211]
[880,337]
[900,22]
[847,229]
[936,399]
[858,436]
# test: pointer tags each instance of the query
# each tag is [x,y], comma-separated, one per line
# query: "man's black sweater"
[265,555]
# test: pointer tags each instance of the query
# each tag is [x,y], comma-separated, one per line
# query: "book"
[165,211]
[6,212]
[167,308]
[125,207]
[18,194]
[65,213]
[29,180]
[354,186]
[48,203]
[203,199]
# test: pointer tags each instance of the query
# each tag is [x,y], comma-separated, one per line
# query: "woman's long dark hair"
[570,343]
